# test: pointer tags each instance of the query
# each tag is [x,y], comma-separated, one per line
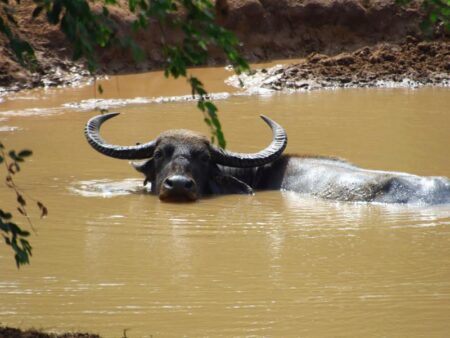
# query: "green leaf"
[211,107]
[12,154]
[5,215]
[53,16]
[207,121]
[16,230]
[433,17]
[132,5]
[25,153]
[7,240]
[105,11]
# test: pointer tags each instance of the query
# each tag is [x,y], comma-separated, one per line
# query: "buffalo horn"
[271,153]
[92,132]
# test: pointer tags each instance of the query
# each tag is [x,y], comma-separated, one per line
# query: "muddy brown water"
[111,258]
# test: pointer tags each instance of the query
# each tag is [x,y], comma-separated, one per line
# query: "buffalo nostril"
[178,187]
[168,183]
[189,184]
[179,183]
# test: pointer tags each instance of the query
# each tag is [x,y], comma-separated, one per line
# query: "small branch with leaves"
[89,30]
[436,12]
[12,233]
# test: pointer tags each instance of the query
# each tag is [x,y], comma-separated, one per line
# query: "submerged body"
[339,180]
[183,165]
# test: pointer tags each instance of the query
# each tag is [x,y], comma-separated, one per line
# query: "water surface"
[110,256]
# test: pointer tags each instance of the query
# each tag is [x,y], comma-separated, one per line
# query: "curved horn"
[92,132]
[271,153]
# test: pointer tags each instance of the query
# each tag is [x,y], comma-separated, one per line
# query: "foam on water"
[266,81]
[32,112]
[104,104]
[4,129]
[107,188]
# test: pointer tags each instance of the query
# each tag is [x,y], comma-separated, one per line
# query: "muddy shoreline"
[320,30]
[409,65]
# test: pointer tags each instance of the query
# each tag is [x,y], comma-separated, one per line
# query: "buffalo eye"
[205,158]
[158,154]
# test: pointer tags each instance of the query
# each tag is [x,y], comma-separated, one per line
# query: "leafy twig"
[13,235]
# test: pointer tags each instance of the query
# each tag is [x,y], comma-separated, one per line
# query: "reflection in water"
[111,256]
[349,216]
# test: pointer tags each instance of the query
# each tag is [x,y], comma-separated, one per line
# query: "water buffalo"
[183,165]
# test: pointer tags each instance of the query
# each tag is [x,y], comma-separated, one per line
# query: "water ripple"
[107,188]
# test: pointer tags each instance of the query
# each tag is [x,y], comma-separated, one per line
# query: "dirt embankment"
[271,29]
[409,64]
[268,29]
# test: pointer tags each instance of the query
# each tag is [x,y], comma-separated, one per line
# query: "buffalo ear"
[226,184]
[147,168]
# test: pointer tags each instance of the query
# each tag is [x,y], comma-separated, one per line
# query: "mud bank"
[274,29]
[8,332]
[410,64]
[53,54]
[268,29]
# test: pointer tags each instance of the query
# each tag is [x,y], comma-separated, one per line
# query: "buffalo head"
[183,165]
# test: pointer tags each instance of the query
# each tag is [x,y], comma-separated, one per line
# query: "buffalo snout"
[178,187]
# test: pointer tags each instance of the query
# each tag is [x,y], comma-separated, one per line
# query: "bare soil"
[409,64]
[268,29]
